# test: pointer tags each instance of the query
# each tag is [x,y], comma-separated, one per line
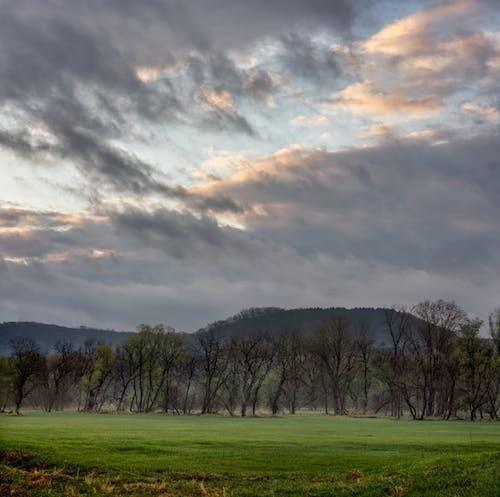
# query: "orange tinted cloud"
[483,112]
[409,35]
[413,65]
[367,97]
[212,99]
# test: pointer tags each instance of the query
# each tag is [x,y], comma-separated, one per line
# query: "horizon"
[98,328]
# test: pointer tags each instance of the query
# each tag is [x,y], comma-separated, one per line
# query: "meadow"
[75,454]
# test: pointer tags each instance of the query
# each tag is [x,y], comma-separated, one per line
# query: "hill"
[275,320]
[269,320]
[47,335]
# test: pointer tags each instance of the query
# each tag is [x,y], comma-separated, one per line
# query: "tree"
[60,370]
[153,354]
[27,364]
[6,377]
[494,378]
[335,347]
[475,361]
[364,344]
[289,371]
[171,357]
[432,340]
[494,324]
[187,374]
[253,355]
[312,378]
[231,387]
[122,378]
[99,363]
[214,360]
[398,321]
[296,351]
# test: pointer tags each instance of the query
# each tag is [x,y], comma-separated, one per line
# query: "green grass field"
[308,455]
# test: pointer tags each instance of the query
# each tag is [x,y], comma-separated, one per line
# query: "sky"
[176,161]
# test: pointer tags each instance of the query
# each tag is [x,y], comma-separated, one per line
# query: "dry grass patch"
[399,490]
[355,475]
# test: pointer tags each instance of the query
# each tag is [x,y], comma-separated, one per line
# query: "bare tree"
[432,341]
[398,320]
[122,377]
[27,364]
[494,378]
[187,375]
[6,377]
[335,347]
[365,343]
[476,361]
[295,349]
[313,374]
[253,354]
[214,360]
[60,375]
[231,388]
[171,356]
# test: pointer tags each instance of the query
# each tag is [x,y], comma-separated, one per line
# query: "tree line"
[436,365]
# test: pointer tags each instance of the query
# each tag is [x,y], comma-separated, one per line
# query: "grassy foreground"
[75,454]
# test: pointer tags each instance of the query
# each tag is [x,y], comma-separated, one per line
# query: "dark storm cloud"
[182,235]
[404,203]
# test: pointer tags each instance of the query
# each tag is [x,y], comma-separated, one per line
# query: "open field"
[152,455]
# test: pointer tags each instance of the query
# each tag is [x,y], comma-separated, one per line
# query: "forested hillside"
[266,320]
[47,335]
[272,320]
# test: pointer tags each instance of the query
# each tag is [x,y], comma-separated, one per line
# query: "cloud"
[378,203]
[366,97]
[482,113]
[413,34]
[307,60]
[260,84]
[14,217]
[222,114]
[214,99]
[416,65]
[310,121]
[180,235]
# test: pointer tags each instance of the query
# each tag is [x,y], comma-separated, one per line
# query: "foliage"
[436,365]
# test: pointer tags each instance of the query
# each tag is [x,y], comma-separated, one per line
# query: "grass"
[75,454]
